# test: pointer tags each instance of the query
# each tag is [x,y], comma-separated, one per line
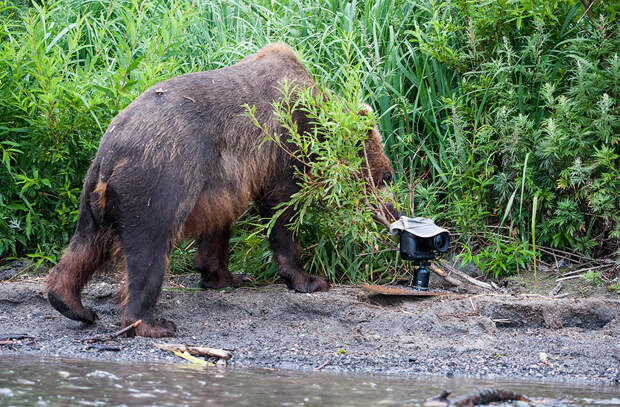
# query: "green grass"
[497,112]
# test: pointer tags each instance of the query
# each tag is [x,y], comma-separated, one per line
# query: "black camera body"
[421,250]
[416,248]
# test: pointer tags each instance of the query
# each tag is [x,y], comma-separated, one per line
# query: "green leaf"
[508,207]
[59,36]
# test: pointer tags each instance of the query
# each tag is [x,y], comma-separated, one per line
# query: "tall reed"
[465,91]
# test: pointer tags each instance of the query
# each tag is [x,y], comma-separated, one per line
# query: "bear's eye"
[387,177]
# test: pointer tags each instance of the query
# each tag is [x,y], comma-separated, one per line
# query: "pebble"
[304,332]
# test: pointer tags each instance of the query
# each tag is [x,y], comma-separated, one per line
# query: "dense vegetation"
[501,117]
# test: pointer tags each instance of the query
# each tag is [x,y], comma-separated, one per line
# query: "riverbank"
[343,330]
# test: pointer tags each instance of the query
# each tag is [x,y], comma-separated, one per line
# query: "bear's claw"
[82,314]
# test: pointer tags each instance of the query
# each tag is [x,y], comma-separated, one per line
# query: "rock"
[8,273]
[13,269]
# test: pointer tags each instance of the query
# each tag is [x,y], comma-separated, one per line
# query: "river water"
[37,381]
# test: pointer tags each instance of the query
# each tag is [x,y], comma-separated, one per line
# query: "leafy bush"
[593,278]
[65,71]
[533,125]
[501,117]
[501,257]
[335,201]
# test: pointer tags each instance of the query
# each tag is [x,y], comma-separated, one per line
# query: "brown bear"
[183,160]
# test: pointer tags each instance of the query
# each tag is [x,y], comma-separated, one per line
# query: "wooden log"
[465,277]
[194,350]
[445,276]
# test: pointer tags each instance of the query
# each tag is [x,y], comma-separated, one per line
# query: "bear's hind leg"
[146,261]
[212,261]
[67,279]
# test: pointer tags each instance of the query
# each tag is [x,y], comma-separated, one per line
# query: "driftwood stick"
[102,348]
[479,397]
[15,337]
[322,365]
[113,335]
[465,277]
[194,350]
[126,329]
[559,280]
[445,276]
[570,273]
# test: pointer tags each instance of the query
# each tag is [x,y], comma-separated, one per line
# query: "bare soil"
[343,330]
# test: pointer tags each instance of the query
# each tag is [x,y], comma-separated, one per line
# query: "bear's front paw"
[303,282]
[214,281]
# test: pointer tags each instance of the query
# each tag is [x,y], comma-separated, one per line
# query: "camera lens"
[442,242]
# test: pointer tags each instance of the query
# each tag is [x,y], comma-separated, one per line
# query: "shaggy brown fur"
[183,160]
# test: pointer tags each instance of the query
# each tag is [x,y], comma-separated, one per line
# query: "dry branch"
[587,5]
[113,335]
[581,270]
[15,337]
[322,365]
[559,280]
[470,280]
[194,350]
[445,276]
[102,348]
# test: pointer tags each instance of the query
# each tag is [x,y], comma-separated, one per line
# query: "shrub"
[503,115]
[533,126]
[65,71]
[335,202]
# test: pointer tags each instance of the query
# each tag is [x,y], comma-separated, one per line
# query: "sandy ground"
[343,330]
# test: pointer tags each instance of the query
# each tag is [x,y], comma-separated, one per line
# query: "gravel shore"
[343,330]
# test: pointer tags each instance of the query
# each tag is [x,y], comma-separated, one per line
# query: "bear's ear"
[364,110]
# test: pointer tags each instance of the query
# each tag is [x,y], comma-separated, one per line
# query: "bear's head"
[378,171]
